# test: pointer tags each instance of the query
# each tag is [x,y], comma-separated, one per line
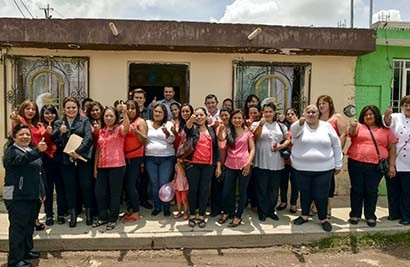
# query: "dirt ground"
[257,257]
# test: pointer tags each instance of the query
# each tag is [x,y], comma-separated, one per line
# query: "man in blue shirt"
[169,94]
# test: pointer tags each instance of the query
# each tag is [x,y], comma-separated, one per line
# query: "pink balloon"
[166,192]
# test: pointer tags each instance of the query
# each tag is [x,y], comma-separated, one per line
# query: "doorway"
[152,77]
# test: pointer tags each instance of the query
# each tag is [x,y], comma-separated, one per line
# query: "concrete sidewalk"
[165,232]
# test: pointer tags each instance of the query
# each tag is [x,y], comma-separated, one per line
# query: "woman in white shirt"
[398,187]
[159,155]
[316,155]
[268,164]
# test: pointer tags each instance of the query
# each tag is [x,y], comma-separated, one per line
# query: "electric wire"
[21,12]
[24,5]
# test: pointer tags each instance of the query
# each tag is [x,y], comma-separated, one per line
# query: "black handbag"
[383,164]
[285,153]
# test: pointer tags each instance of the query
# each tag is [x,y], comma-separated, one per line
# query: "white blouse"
[400,126]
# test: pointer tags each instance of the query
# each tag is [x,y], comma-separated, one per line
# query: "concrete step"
[165,232]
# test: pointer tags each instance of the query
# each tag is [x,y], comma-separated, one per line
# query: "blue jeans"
[314,186]
[159,170]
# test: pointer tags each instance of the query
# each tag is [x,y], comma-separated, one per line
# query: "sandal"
[202,223]
[178,215]
[186,216]
[191,222]
[110,225]
[233,224]
[223,219]
[98,223]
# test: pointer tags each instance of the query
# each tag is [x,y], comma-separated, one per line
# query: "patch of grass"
[352,242]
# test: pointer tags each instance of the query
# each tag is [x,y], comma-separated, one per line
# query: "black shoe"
[326,226]
[404,222]
[22,264]
[49,221]
[281,207]
[167,213]
[40,227]
[274,217]
[155,212]
[61,220]
[293,210]
[299,221]
[371,223]
[352,221]
[262,217]
[88,217]
[147,205]
[32,255]
[73,219]
[393,218]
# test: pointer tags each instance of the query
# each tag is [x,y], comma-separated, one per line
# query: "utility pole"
[351,13]
[47,11]
[371,14]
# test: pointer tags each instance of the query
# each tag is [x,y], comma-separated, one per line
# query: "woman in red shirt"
[363,159]
[200,164]
[134,157]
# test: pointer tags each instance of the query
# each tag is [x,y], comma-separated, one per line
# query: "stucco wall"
[374,73]
[209,73]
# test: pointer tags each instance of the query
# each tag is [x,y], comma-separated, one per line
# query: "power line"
[58,13]
[21,12]
[24,5]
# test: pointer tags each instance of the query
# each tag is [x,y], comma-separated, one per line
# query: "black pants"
[364,183]
[142,187]
[77,174]
[284,184]
[267,189]
[252,196]
[232,177]
[199,177]
[132,179]
[398,195]
[314,186]
[216,194]
[22,217]
[53,180]
[108,189]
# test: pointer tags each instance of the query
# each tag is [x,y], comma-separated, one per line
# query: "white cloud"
[390,15]
[288,12]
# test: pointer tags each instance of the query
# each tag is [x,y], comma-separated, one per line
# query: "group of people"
[235,156]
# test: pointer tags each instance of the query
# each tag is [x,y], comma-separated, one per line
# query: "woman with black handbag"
[371,145]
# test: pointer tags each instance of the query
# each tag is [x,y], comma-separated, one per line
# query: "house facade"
[46,60]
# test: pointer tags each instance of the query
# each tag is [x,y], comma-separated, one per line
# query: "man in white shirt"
[211,103]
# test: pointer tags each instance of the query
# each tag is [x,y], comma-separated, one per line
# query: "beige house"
[45,60]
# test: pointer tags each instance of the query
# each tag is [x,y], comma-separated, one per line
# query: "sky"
[318,13]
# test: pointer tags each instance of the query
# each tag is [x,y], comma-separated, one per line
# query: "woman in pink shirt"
[109,166]
[239,158]
[363,159]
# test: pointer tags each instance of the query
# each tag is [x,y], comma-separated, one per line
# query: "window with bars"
[47,80]
[401,82]
[285,84]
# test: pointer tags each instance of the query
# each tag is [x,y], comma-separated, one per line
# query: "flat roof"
[96,34]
